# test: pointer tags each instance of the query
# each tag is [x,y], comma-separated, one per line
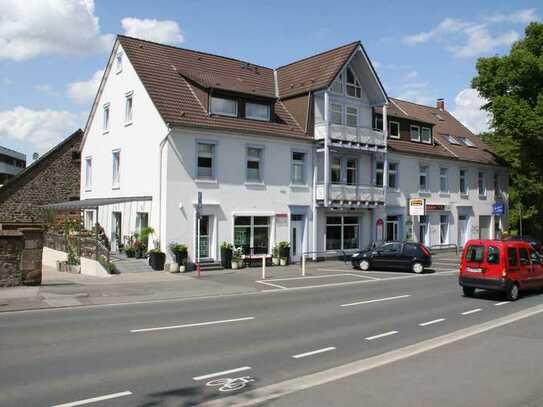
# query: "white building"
[278,154]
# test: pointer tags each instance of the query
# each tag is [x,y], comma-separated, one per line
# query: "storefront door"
[204,237]
[297,236]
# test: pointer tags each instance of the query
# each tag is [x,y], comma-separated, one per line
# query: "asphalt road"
[170,353]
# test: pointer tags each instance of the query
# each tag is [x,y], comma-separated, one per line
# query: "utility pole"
[520,216]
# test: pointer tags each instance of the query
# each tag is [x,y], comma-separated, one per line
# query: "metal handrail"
[339,253]
[444,246]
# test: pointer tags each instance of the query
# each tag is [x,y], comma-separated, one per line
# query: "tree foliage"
[513,86]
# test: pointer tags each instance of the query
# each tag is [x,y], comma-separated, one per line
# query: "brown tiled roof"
[315,72]
[166,72]
[448,125]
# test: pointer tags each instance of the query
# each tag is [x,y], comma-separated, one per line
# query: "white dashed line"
[435,321]
[272,284]
[224,372]
[377,300]
[95,399]
[502,303]
[473,311]
[314,352]
[371,338]
[161,328]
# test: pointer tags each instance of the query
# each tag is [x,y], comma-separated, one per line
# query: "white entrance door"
[462,229]
[205,237]
[116,232]
[297,237]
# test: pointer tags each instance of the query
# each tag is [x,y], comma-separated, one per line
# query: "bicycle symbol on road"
[228,384]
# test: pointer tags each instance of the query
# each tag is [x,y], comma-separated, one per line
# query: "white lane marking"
[161,328]
[271,392]
[224,372]
[313,352]
[95,399]
[272,285]
[310,277]
[371,338]
[376,300]
[472,311]
[502,303]
[435,321]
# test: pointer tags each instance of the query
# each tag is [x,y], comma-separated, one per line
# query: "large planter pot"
[140,254]
[130,253]
[275,261]
[226,258]
[283,262]
[284,253]
[180,257]
[157,260]
[183,269]
[236,265]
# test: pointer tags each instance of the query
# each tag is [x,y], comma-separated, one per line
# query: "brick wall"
[20,257]
[55,177]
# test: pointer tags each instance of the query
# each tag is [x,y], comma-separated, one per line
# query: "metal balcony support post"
[315,217]
[326,147]
[385,161]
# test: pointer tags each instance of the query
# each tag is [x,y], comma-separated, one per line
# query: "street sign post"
[498,208]
[198,217]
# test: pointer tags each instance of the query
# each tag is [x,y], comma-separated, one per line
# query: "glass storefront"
[342,232]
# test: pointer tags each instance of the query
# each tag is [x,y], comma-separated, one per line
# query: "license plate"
[474,270]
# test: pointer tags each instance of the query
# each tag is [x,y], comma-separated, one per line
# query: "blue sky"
[52,51]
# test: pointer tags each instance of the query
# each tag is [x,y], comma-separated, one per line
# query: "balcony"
[362,138]
[352,195]
[9,169]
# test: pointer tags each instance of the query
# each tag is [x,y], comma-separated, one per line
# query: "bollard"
[263,267]
[303,264]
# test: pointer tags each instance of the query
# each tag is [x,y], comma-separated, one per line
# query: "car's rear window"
[475,254]
[493,255]
[512,257]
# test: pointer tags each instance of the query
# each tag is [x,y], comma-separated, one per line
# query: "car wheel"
[417,267]
[364,265]
[468,291]
[512,292]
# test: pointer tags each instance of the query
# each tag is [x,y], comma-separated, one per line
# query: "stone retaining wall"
[21,257]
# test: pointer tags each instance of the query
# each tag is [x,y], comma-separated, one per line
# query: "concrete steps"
[209,265]
[130,265]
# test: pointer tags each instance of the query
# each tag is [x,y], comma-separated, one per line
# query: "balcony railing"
[355,135]
[352,193]
[9,169]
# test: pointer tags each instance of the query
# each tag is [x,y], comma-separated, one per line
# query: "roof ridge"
[419,104]
[195,51]
[318,54]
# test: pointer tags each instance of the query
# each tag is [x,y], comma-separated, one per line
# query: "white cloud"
[84,91]
[41,128]
[411,75]
[33,28]
[164,31]
[468,110]
[472,38]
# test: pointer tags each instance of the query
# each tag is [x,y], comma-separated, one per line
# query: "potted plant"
[183,266]
[130,251]
[226,255]
[237,261]
[275,255]
[180,252]
[284,252]
[157,258]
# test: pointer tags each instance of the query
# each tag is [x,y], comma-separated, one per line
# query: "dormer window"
[337,85]
[426,135]
[353,85]
[257,111]
[223,106]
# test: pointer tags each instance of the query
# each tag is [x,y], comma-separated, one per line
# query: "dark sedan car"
[410,256]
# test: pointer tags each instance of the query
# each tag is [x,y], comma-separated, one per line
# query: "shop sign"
[416,207]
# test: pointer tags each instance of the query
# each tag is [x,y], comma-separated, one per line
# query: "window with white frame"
[379,173]
[128,107]
[444,229]
[337,85]
[257,111]
[426,135]
[88,173]
[298,168]
[423,178]
[463,182]
[467,142]
[394,130]
[105,117]
[353,85]
[116,173]
[393,175]
[89,220]
[415,133]
[119,62]
[341,232]
[444,179]
[335,170]
[205,160]
[224,106]
[352,116]
[481,183]
[254,164]
[351,168]
[336,113]
[252,234]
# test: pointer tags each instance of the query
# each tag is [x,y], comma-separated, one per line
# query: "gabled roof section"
[315,72]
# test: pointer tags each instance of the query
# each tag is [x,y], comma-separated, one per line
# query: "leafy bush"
[109,266]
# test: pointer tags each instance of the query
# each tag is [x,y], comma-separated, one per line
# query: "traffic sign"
[498,208]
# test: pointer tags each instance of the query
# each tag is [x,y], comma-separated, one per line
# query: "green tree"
[513,86]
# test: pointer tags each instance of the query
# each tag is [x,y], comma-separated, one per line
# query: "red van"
[500,265]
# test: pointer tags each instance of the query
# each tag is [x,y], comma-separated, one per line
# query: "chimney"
[440,104]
